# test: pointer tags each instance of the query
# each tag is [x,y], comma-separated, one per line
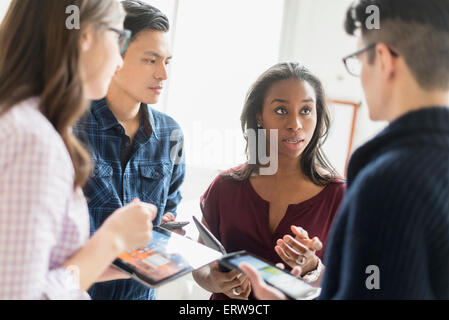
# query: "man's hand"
[261,289]
[168,217]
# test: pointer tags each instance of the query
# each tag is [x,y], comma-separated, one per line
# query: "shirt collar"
[148,120]
[427,126]
[107,120]
[104,115]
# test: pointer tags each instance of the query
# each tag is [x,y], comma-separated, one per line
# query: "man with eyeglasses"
[391,236]
[137,151]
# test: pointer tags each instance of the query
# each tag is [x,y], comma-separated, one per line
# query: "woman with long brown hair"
[48,72]
[270,208]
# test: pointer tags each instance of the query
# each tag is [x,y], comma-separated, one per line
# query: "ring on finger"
[235,292]
[301,260]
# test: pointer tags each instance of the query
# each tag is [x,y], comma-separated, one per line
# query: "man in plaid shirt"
[138,151]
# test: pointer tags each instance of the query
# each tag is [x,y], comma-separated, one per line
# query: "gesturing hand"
[299,252]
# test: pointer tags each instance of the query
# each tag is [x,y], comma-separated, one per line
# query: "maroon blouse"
[239,217]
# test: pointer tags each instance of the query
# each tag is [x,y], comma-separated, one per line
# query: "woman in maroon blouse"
[272,215]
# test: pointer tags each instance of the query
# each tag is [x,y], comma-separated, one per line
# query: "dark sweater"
[395,214]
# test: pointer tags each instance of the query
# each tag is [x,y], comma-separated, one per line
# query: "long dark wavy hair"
[39,56]
[313,156]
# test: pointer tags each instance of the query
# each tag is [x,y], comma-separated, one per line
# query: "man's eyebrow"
[154,53]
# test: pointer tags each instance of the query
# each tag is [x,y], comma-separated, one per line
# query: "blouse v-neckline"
[303,204]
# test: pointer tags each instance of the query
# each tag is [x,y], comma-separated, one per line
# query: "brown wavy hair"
[39,56]
[313,157]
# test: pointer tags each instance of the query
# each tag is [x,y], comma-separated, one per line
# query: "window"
[220,48]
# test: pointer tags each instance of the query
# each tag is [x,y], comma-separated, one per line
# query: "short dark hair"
[313,158]
[141,16]
[417,29]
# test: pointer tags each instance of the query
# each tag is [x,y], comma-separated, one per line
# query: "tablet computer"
[212,242]
[207,237]
[167,257]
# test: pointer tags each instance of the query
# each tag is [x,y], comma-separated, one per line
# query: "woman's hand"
[127,228]
[299,251]
[233,284]
[112,273]
[131,225]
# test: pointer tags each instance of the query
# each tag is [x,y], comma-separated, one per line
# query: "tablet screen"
[166,256]
[289,284]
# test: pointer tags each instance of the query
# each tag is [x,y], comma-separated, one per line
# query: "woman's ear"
[259,120]
[87,38]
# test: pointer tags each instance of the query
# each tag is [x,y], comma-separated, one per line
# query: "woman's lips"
[293,144]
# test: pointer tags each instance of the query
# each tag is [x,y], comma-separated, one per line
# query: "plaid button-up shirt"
[151,169]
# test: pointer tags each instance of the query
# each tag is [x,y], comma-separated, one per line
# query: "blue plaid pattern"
[154,173]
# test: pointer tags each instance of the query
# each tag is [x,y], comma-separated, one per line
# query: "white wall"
[220,48]
[313,34]
[4,4]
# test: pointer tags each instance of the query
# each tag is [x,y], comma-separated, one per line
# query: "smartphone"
[292,287]
[173,225]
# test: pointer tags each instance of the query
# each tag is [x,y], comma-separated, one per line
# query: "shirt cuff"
[63,284]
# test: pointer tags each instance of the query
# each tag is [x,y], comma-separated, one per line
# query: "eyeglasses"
[123,38]
[354,65]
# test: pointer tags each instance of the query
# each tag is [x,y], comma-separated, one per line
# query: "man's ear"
[386,60]
[87,38]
